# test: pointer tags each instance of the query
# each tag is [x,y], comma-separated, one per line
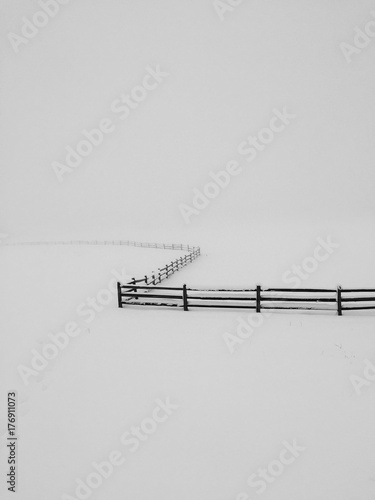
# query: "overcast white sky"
[225,78]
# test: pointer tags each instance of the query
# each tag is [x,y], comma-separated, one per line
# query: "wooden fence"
[162,274]
[258,299]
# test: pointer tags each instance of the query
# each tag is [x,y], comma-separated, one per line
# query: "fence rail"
[306,299]
[156,277]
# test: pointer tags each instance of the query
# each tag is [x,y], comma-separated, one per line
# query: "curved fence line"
[334,300]
[152,279]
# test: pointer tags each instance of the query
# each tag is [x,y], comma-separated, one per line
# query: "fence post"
[134,289]
[339,302]
[119,297]
[184,298]
[258,298]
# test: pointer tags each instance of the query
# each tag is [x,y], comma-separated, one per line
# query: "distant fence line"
[154,278]
[162,246]
[257,299]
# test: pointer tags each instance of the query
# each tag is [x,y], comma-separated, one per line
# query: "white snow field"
[158,395]
[163,404]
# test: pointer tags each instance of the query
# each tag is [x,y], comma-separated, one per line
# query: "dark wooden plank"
[299,308]
[358,299]
[222,289]
[297,299]
[359,308]
[153,304]
[150,295]
[193,297]
[298,290]
[140,287]
[222,306]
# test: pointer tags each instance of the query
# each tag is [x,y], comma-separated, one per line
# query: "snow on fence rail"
[258,299]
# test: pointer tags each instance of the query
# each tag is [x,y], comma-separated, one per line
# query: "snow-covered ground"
[235,255]
[235,406]
[142,104]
